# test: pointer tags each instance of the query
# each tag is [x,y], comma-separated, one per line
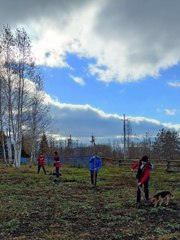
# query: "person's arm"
[135,165]
[146,175]
[98,164]
[91,159]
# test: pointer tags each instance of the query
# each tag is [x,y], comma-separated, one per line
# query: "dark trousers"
[146,191]
[93,177]
[39,167]
[57,172]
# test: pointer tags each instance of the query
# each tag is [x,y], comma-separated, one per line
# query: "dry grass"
[33,206]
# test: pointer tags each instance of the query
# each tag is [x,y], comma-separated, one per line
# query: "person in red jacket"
[143,174]
[57,164]
[41,163]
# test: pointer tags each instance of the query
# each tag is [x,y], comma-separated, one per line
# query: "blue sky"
[102,59]
[150,97]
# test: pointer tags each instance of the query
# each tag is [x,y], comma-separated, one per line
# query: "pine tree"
[167,144]
[44,145]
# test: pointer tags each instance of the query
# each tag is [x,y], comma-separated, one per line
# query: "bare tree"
[39,118]
[22,84]
[6,58]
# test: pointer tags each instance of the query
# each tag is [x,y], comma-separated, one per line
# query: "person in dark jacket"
[41,163]
[95,164]
[143,174]
[57,164]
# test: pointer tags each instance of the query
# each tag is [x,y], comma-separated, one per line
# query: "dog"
[161,197]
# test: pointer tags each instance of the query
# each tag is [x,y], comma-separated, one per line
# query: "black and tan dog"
[161,197]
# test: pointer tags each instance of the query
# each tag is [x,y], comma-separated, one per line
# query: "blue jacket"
[95,162]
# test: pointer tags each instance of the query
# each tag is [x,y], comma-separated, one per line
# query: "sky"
[103,59]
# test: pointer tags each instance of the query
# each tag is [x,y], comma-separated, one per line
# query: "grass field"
[34,206]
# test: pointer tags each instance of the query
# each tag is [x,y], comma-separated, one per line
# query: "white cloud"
[174,84]
[77,80]
[170,112]
[128,39]
[82,120]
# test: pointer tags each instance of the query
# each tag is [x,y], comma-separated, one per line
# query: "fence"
[156,162]
[72,161]
[169,165]
[82,162]
[129,162]
[173,166]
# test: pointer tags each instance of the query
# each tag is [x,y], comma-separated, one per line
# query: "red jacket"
[41,161]
[145,170]
[56,157]
[57,163]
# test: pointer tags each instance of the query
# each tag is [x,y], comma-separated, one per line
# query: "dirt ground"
[40,206]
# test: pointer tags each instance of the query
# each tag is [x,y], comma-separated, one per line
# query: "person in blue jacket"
[95,164]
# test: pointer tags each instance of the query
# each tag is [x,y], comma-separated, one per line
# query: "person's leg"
[39,167]
[92,177]
[44,170]
[146,190]
[138,195]
[57,172]
[138,199]
[95,178]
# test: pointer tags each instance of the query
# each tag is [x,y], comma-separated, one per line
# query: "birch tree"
[21,77]
[39,118]
[6,58]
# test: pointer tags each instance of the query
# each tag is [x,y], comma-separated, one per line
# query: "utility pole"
[124,133]
[93,140]
[69,142]
[129,133]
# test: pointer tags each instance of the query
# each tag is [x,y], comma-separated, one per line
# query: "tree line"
[165,146]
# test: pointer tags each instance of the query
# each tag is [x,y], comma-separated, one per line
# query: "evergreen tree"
[167,144]
[44,145]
